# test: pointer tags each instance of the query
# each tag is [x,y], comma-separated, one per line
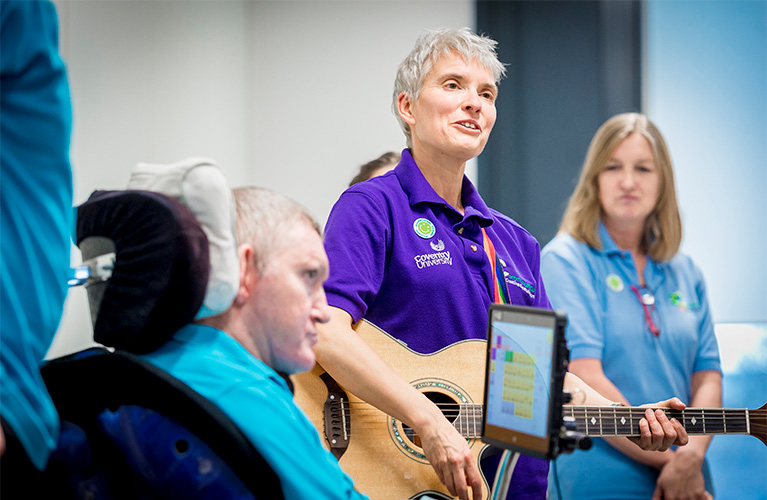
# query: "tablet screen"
[522,372]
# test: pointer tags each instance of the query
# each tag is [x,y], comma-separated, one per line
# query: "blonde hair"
[264,218]
[662,233]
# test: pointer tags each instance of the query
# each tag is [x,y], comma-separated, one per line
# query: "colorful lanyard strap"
[501,295]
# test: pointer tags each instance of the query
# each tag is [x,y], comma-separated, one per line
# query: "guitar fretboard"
[469,421]
[624,421]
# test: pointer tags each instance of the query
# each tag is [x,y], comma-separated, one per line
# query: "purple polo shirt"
[405,260]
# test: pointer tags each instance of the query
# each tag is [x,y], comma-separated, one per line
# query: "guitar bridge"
[336,412]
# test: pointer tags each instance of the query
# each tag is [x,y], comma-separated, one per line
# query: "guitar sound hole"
[449,407]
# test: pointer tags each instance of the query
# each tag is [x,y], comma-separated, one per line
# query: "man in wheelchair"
[231,358]
[183,405]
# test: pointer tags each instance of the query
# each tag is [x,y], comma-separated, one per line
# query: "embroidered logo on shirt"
[438,246]
[614,283]
[521,284]
[679,302]
[433,259]
[424,228]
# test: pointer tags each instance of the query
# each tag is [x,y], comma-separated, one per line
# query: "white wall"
[706,80]
[295,95]
[290,95]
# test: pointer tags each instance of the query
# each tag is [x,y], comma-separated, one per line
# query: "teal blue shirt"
[35,216]
[259,402]
[605,321]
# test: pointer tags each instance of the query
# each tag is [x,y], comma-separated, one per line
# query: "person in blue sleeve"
[418,253]
[35,223]
[233,359]
[634,305]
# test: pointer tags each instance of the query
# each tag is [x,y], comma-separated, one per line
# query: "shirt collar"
[653,270]
[231,348]
[608,245]
[418,190]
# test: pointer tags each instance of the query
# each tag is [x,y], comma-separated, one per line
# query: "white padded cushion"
[201,186]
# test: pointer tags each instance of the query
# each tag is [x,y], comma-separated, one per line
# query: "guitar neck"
[469,421]
[624,420]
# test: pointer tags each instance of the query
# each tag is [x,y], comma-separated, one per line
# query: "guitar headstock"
[758,419]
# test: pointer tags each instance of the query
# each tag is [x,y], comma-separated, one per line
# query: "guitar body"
[381,455]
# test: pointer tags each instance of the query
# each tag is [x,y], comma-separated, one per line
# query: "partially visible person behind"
[374,168]
[232,359]
[634,305]
[35,221]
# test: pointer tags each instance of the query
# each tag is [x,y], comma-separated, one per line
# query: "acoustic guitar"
[385,458]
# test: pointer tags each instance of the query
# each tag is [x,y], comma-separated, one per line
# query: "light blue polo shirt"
[404,259]
[605,321]
[259,402]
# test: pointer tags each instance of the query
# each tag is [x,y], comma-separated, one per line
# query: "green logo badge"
[614,283]
[681,304]
[424,228]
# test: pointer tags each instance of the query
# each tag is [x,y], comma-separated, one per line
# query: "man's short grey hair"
[432,45]
[265,218]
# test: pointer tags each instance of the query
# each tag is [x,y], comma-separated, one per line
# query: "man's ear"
[248,273]
[405,108]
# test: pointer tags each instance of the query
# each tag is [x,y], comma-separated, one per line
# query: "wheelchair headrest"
[200,184]
[161,267]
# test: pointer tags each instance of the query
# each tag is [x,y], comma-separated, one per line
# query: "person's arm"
[565,272]
[657,431]
[354,364]
[682,476]
[589,370]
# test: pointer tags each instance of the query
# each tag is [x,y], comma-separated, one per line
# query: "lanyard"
[647,300]
[501,292]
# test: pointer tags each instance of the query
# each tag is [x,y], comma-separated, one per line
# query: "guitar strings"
[714,412]
[468,419]
[604,411]
[471,412]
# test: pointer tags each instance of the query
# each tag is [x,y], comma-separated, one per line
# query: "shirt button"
[474,248]
[460,230]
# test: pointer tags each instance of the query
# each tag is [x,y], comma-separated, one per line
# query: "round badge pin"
[424,228]
[614,283]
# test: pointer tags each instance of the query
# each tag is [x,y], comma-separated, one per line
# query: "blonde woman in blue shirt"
[634,305]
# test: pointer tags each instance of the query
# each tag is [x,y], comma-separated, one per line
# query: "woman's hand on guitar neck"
[658,432]
[449,455]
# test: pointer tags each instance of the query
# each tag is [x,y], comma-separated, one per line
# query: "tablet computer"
[526,362]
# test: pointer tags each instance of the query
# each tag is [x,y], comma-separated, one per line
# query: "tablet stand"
[503,475]
[569,440]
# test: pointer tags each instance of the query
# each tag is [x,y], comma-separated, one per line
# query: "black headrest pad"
[161,270]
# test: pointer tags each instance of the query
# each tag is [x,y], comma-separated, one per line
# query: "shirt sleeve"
[569,285]
[357,239]
[707,357]
[35,215]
